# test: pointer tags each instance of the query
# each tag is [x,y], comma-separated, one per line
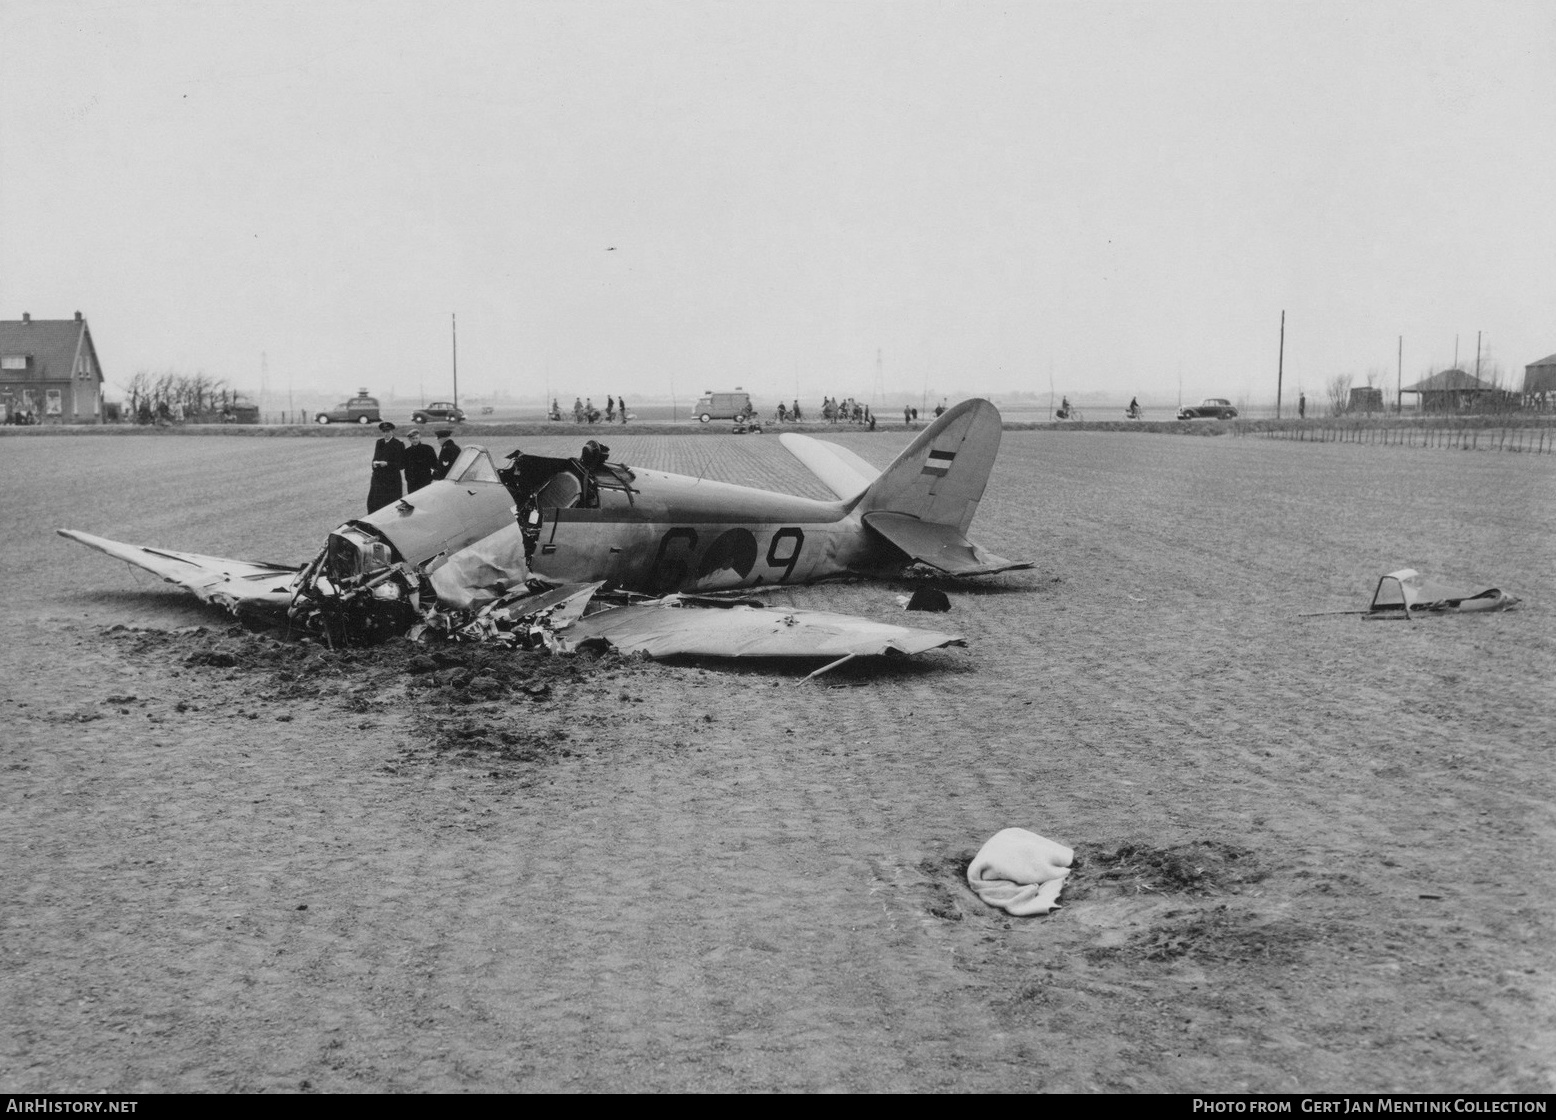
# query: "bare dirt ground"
[1315,854]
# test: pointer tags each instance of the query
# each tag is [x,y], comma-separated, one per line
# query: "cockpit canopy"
[473,465]
[587,482]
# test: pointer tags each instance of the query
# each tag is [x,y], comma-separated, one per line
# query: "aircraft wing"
[664,629]
[939,546]
[234,584]
[839,469]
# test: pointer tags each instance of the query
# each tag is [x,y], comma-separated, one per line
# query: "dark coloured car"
[439,410]
[1211,408]
[360,409]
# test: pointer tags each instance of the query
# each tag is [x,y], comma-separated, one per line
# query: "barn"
[1365,399]
[1540,383]
[49,372]
[1452,390]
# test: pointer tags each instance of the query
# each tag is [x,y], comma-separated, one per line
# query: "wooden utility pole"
[1280,365]
[1399,378]
[453,326]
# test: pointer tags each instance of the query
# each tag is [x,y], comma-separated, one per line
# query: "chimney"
[78,316]
[26,318]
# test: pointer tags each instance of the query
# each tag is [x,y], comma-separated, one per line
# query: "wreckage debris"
[929,599]
[1407,593]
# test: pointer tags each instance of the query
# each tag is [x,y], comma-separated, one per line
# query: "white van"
[723,406]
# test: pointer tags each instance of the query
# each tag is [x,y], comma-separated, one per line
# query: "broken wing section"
[234,584]
[665,629]
[837,468]
[939,546]
[1405,592]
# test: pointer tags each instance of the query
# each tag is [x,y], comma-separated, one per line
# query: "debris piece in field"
[676,626]
[1407,593]
[929,599]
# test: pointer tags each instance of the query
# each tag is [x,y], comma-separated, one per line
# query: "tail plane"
[924,502]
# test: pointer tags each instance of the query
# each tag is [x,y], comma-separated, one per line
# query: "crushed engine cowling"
[358,590]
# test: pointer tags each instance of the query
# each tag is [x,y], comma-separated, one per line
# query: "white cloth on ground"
[1020,871]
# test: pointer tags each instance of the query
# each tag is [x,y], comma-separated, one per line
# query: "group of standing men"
[418,462]
[584,412]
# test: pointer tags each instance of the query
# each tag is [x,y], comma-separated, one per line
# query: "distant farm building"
[49,371]
[1453,390]
[1540,383]
[1365,399]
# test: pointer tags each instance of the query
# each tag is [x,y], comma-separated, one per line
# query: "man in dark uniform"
[388,458]
[421,463]
[448,451]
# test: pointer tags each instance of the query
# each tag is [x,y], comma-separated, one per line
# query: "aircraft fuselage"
[669,533]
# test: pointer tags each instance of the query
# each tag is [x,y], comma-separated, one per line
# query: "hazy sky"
[615,196]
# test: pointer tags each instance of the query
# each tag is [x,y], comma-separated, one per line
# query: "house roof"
[1448,381]
[52,344]
[1548,360]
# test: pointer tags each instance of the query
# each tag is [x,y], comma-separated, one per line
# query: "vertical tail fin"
[924,502]
[940,478]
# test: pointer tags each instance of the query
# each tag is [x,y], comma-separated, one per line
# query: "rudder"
[941,476]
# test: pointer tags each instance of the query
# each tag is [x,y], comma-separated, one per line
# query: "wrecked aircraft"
[465,555]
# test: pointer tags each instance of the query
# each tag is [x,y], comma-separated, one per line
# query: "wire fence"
[1537,437]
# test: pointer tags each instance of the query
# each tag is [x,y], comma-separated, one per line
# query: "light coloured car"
[723,406]
[360,409]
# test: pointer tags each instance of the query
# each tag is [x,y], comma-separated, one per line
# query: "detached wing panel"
[746,631]
[213,579]
[939,546]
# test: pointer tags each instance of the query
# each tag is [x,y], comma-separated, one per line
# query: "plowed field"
[1314,852]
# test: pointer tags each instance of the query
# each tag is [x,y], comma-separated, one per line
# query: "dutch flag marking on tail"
[938,463]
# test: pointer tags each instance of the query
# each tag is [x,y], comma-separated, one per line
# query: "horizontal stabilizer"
[939,546]
[839,469]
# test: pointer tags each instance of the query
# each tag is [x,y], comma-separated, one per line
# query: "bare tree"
[140,395]
[1339,390]
[168,391]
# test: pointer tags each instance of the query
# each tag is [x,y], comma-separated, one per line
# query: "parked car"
[360,409]
[723,406]
[1211,408]
[440,410]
